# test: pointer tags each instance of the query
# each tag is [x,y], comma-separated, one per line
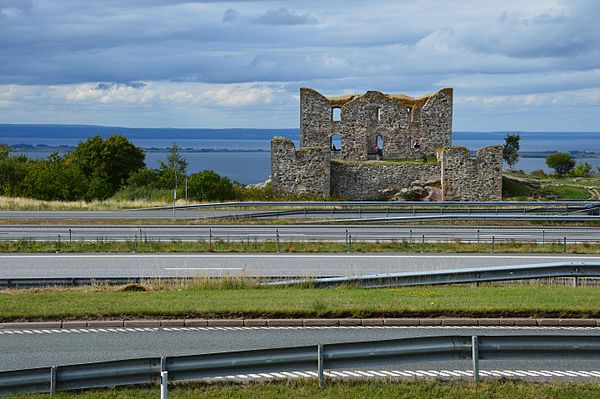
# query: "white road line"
[203,268]
[318,256]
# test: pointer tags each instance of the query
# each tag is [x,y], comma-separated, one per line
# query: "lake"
[254,167]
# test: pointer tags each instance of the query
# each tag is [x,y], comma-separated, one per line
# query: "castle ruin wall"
[303,171]
[468,179]
[373,180]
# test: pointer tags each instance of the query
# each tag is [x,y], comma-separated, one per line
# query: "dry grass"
[29,204]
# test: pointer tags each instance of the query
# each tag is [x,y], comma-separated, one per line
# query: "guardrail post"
[477,236]
[164,379]
[575,281]
[475,357]
[320,366]
[210,239]
[53,380]
[493,243]
[349,243]
[564,245]
[135,238]
[423,243]
[58,250]
[346,237]
[277,238]
[70,236]
[543,237]
[410,237]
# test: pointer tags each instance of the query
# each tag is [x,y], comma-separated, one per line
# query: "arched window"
[335,143]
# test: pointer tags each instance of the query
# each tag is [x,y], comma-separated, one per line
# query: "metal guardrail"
[575,270]
[474,217]
[302,358]
[391,204]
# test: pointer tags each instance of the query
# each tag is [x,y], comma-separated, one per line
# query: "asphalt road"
[39,348]
[166,265]
[297,233]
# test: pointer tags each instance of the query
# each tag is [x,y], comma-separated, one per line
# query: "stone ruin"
[392,147]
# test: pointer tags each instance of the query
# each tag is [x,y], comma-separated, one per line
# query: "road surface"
[174,265]
[40,348]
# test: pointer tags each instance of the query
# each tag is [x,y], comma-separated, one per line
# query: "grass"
[239,298]
[350,390]
[515,189]
[251,246]
[29,204]
[564,191]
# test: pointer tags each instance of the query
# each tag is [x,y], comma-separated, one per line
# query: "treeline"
[99,169]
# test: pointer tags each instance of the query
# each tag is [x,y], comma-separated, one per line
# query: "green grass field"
[350,390]
[236,298]
[252,246]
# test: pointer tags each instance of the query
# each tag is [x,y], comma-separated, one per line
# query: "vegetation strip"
[251,246]
[382,388]
[238,298]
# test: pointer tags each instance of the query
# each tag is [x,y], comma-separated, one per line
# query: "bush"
[582,169]
[539,173]
[209,186]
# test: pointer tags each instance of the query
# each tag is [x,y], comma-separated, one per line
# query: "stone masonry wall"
[467,179]
[303,171]
[409,127]
[374,180]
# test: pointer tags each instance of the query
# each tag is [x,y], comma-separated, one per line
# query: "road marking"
[203,268]
[337,255]
[199,329]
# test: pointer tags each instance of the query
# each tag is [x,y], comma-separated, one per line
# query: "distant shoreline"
[44,148]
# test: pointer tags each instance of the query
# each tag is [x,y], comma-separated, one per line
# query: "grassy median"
[236,298]
[252,246]
[352,390]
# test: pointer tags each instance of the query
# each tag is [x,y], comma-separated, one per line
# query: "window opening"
[335,143]
[379,147]
[336,114]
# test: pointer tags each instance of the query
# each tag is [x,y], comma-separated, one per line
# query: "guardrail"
[575,270]
[391,204]
[302,358]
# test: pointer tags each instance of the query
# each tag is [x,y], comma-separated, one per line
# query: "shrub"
[539,173]
[209,186]
[582,169]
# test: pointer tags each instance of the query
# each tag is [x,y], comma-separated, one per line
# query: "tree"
[111,160]
[173,171]
[561,162]
[510,151]
[209,186]
[4,151]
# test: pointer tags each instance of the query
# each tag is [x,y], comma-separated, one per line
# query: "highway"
[174,265]
[410,233]
[39,348]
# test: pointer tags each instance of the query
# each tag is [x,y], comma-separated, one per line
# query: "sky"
[514,65]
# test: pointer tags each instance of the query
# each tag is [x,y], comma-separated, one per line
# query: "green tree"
[4,151]
[111,160]
[561,162]
[13,170]
[510,151]
[174,170]
[53,179]
[209,186]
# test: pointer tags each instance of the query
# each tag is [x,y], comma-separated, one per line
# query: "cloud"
[279,16]
[135,59]
[282,16]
